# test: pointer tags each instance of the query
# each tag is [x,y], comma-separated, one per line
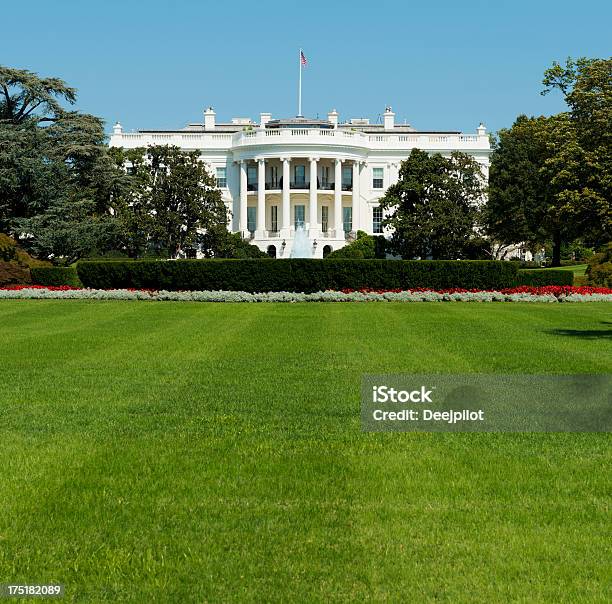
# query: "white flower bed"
[326,296]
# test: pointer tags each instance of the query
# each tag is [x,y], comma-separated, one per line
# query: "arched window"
[272,251]
[327,250]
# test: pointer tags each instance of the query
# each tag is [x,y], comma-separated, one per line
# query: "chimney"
[389,118]
[482,131]
[264,118]
[209,119]
[332,117]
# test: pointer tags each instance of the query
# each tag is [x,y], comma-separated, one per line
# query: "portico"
[284,192]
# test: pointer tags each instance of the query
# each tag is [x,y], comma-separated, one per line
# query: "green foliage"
[551,177]
[69,230]
[8,247]
[55,275]
[364,246]
[544,276]
[218,242]
[54,164]
[24,95]
[170,199]
[296,275]
[599,269]
[433,208]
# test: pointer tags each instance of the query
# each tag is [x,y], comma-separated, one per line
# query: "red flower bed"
[53,288]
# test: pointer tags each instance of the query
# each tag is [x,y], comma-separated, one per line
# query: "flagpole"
[300,85]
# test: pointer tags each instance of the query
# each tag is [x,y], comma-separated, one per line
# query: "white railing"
[185,140]
[353,138]
[361,139]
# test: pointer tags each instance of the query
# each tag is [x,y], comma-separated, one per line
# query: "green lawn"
[579,270]
[185,452]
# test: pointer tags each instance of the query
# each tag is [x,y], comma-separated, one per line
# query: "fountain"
[302,248]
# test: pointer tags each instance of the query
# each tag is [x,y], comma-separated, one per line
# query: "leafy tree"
[365,246]
[26,96]
[551,177]
[55,171]
[69,230]
[171,200]
[433,208]
[218,242]
[587,88]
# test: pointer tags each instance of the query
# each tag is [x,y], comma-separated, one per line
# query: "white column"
[356,196]
[261,198]
[313,219]
[286,210]
[338,200]
[242,223]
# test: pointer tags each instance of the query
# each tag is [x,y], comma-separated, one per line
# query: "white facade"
[327,176]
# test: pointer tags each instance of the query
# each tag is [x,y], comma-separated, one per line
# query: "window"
[273,183]
[347,178]
[221,178]
[131,170]
[324,218]
[325,177]
[300,213]
[251,219]
[347,219]
[274,218]
[377,178]
[377,216]
[300,174]
[251,175]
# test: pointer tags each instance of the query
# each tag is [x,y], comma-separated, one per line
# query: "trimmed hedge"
[545,276]
[297,275]
[55,275]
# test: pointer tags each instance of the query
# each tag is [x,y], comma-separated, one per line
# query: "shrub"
[365,246]
[14,273]
[8,247]
[297,274]
[545,276]
[599,270]
[55,275]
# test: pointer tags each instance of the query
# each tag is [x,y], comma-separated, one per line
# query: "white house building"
[324,176]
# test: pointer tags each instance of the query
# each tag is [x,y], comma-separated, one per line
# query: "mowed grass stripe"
[202,452]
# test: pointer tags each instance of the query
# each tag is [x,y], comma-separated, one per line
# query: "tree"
[26,96]
[218,242]
[587,88]
[364,246]
[69,230]
[55,171]
[544,185]
[433,208]
[172,199]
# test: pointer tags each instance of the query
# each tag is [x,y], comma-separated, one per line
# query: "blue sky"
[442,65]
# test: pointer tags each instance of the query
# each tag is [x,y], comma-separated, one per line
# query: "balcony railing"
[326,186]
[252,186]
[299,184]
[347,186]
[274,186]
[356,138]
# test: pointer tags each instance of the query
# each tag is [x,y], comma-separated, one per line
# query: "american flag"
[303,60]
